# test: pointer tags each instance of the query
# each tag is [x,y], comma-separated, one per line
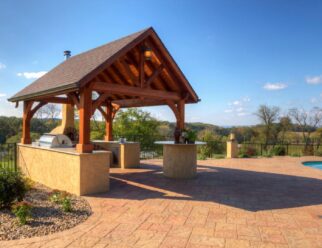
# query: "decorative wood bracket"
[154,75]
[74,98]
[98,102]
[178,110]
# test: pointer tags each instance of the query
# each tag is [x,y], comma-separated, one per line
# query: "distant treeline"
[134,122]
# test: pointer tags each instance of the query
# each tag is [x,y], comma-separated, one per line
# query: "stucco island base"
[180,161]
[65,169]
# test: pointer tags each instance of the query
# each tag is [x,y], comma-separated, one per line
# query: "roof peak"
[114,41]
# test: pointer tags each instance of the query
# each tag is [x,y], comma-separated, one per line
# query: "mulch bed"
[47,217]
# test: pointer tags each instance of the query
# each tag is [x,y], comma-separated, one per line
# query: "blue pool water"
[314,164]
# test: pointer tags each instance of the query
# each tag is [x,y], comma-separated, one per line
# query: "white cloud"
[275,86]
[242,114]
[2,66]
[238,107]
[32,75]
[241,109]
[314,79]
[313,100]
[2,94]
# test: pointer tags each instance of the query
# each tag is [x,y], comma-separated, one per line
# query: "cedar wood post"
[180,120]
[26,122]
[85,112]
[109,122]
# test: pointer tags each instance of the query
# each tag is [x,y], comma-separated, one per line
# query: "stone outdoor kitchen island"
[134,71]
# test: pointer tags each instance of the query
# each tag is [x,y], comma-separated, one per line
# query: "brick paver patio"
[273,202]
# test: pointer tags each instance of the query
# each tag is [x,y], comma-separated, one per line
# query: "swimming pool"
[314,164]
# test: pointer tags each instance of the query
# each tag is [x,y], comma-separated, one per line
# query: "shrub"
[308,150]
[191,136]
[267,155]
[218,156]
[243,155]
[247,152]
[278,150]
[12,187]
[66,204]
[202,156]
[204,152]
[22,210]
[318,153]
[295,154]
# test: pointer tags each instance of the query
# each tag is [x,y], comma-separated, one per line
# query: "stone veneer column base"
[180,161]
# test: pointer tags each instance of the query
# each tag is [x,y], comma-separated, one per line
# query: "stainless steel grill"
[55,141]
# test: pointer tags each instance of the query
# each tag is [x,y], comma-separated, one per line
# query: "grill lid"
[55,140]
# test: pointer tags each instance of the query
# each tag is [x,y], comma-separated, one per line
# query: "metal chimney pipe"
[67,54]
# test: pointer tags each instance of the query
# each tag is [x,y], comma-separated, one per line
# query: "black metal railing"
[288,149]
[8,156]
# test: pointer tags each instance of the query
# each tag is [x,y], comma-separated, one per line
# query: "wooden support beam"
[135,91]
[181,110]
[130,74]
[178,110]
[102,112]
[149,65]
[119,75]
[85,104]
[109,122]
[141,67]
[102,98]
[171,66]
[154,75]
[174,109]
[130,103]
[62,100]
[27,105]
[114,110]
[75,99]
[37,107]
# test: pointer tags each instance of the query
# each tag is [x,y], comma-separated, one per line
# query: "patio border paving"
[162,222]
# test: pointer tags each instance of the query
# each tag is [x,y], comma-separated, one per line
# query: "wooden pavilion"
[134,71]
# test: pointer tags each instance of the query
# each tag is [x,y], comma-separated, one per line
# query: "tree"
[49,111]
[308,121]
[136,125]
[285,125]
[268,116]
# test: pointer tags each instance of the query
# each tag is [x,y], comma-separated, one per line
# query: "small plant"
[190,136]
[22,210]
[278,150]
[62,198]
[66,204]
[54,196]
[12,188]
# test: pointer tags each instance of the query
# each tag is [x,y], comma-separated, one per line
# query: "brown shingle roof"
[70,73]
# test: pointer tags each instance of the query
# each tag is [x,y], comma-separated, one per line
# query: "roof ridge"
[109,43]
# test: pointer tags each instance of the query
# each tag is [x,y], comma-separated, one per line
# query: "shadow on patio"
[243,189]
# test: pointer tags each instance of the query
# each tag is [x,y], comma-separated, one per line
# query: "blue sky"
[236,54]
